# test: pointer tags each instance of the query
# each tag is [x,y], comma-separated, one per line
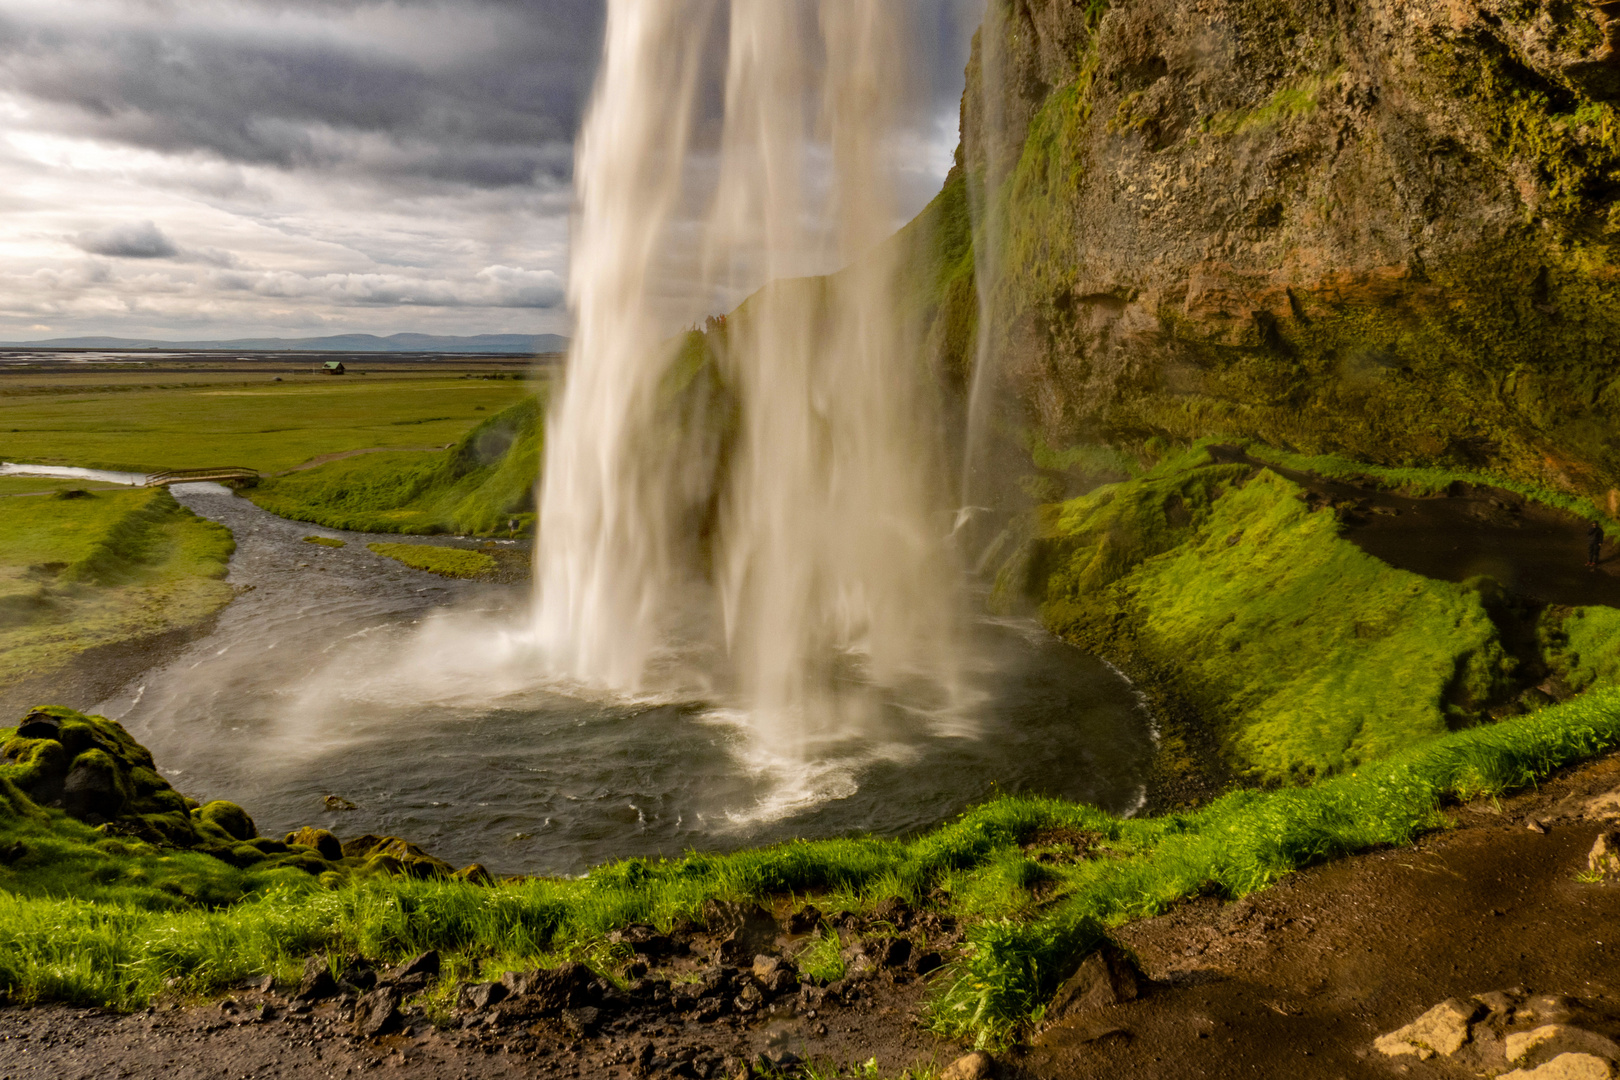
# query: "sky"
[228,168]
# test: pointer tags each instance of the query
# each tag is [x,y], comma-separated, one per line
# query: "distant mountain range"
[517,344]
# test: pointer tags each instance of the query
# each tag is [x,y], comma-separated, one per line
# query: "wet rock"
[359,974]
[91,791]
[317,983]
[1442,1030]
[425,965]
[582,1021]
[894,911]
[1529,1049]
[475,874]
[1566,1067]
[377,1013]
[975,1066]
[1604,858]
[481,996]
[1106,977]
[805,920]
[266,985]
[748,924]
[1499,1003]
[748,999]
[1549,1009]
[334,803]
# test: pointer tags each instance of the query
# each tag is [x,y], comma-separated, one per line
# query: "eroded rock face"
[1376,229]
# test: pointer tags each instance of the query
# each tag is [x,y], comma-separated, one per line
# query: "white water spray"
[789,539]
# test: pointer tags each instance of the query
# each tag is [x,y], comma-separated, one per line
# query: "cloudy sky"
[214,168]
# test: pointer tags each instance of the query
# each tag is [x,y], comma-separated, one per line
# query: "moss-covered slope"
[1386,230]
[1265,629]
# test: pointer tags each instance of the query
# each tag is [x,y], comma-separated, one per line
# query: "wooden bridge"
[222,474]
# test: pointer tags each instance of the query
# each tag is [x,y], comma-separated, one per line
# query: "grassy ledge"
[91,921]
[446,562]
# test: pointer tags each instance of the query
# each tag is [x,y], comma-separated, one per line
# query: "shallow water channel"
[338,671]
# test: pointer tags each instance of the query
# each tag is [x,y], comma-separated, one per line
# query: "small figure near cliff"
[1594,545]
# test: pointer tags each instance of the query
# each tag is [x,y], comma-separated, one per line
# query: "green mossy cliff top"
[1235,596]
[1386,230]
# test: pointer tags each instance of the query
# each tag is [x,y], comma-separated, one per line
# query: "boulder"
[325,843]
[377,1013]
[482,995]
[750,925]
[225,820]
[317,983]
[426,966]
[476,874]
[1604,857]
[91,791]
[975,1066]
[40,725]
[1530,1049]
[1566,1067]
[1107,977]
[1442,1030]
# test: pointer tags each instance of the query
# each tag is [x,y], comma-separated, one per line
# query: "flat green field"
[40,485]
[266,426]
[107,567]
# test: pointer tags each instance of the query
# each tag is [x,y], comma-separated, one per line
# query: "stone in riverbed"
[1442,1030]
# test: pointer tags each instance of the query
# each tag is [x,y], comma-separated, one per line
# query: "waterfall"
[772,537]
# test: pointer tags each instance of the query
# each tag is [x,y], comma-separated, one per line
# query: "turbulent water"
[338,671]
[786,555]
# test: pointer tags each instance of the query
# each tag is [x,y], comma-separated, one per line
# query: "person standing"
[1594,545]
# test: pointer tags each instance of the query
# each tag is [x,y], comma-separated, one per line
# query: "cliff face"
[1382,228]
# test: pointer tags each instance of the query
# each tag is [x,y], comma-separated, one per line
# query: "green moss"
[1302,653]
[326,541]
[479,486]
[224,821]
[446,562]
[1293,101]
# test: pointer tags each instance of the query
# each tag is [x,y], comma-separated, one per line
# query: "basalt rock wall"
[1382,228]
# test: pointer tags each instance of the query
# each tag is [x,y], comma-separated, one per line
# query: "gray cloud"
[142,240]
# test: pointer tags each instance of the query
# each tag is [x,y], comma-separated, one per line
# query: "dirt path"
[1299,980]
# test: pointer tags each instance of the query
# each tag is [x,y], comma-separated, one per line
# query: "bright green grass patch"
[1309,655]
[120,564]
[268,427]
[34,485]
[326,541]
[128,945]
[479,486]
[446,562]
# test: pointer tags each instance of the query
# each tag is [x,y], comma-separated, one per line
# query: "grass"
[40,485]
[446,562]
[326,541]
[478,486]
[115,565]
[266,426]
[94,925]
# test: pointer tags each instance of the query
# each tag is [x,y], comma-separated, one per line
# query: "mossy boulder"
[393,855]
[324,843]
[224,822]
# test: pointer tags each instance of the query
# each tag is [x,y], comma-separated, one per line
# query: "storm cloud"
[227,167]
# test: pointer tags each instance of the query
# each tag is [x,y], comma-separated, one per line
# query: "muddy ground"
[1296,981]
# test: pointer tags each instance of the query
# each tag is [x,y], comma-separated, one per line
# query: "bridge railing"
[184,476]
